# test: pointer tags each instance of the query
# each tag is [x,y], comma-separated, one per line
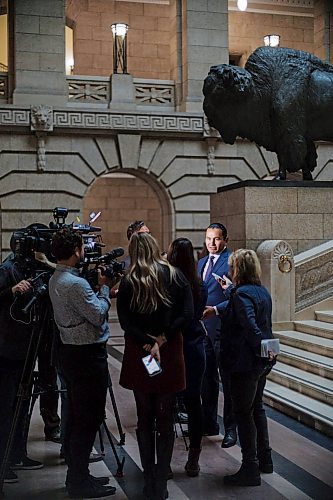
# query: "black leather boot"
[248,475]
[192,466]
[265,462]
[164,449]
[146,443]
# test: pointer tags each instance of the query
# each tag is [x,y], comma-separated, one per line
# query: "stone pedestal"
[278,275]
[300,213]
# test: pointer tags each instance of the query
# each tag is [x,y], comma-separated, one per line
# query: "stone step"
[305,341]
[307,361]
[326,316]
[314,327]
[303,382]
[309,411]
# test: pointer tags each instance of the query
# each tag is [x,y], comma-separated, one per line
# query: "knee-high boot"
[164,449]
[146,443]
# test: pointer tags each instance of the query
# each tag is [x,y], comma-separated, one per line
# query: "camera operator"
[14,342]
[82,319]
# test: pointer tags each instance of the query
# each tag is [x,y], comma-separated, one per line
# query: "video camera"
[111,268]
[25,242]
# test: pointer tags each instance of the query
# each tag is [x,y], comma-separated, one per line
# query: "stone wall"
[148,37]
[122,199]
[247,31]
[153,32]
[323,29]
[176,169]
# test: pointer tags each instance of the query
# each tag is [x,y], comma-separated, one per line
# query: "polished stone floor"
[303,458]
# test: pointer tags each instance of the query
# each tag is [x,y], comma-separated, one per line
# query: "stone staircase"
[301,383]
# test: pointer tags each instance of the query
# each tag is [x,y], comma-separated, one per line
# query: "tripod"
[40,318]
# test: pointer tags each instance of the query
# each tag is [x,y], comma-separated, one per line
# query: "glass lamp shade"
[242,5]
[119,29]
[272,40]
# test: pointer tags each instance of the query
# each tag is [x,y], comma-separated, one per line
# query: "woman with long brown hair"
[154,303]
[181,255]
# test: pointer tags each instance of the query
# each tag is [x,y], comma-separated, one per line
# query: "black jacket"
[14,335]
[246,320]
[166,319]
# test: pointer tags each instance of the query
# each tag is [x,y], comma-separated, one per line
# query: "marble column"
[200,41]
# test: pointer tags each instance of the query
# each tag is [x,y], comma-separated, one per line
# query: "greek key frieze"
[14,117]
[105,120]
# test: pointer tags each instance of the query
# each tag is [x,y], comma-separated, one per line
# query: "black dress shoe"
[90,489]
[53,435]
[230,439]
[103,480]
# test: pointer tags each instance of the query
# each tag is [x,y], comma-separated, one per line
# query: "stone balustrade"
[97,90]
[4,86]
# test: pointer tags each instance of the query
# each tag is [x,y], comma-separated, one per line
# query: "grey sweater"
[80,314]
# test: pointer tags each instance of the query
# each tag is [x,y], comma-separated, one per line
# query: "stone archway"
[124,196]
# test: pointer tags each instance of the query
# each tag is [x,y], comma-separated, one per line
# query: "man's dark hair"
[64,243]
[134,227]
[218,225]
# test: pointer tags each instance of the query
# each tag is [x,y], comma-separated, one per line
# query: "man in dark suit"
[215,262]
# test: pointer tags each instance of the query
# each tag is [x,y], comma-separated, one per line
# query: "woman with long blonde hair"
[154,304]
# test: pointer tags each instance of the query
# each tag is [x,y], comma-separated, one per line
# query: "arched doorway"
[123,198]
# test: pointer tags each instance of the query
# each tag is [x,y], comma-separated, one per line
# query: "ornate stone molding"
[41,122]
[278,275]
[41,118]
[283,253]
[314,279]
[103,120]
[134,122]
[211,136]
[15,117]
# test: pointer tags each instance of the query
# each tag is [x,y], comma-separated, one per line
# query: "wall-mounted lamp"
[242,5]
[69,66]
[272,40]
[119,31]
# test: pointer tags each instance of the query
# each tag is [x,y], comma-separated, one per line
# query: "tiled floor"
[303,459]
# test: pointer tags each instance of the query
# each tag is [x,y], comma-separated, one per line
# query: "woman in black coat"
[180,255]
[154,303]
[246,321]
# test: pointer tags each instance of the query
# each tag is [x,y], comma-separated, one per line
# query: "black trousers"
[210,389]
[246,391]
[48,402]
[195,419]
[85,371]
[155,411]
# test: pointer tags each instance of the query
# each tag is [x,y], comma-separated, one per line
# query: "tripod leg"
[120,464]
[115,410]
[101,442]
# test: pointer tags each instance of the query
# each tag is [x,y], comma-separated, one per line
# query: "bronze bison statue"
[282,100]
